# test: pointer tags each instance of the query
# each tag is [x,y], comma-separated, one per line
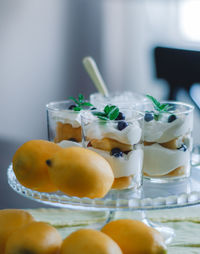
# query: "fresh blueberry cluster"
[149,116]
[121,124]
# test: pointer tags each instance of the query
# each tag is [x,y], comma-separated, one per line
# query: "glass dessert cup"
[63,123]
[120,142]
[120,99]
[167,141]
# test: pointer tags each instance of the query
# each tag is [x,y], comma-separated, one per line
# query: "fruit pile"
[46,167]
[21,234]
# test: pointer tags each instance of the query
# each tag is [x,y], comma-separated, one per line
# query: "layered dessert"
[68,126]
[64,120]
[167,140]
[119,140]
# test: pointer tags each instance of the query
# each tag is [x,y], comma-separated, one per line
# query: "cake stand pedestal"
[151,196]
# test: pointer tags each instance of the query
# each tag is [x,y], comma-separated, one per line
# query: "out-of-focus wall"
[41,47]
[32,50]
[136,28]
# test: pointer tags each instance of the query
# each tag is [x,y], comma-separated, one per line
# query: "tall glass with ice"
[117,136]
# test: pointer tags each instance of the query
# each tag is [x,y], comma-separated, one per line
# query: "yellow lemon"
[29,164]
[80,172]
[89,241]
[34,238]
[135,237]
[10,221]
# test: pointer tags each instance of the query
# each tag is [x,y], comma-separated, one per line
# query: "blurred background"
[42,44]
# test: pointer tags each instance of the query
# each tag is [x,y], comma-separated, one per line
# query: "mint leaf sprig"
[80,103]
[159,107]
[110,112]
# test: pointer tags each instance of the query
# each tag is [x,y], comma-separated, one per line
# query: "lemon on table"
[36,238]
[135,237]
[10,221]
[29,164]
[89,241]
[80,172]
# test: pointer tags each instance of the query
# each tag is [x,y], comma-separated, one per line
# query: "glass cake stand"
[185,192]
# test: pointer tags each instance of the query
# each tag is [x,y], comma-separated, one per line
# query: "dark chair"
[179,67]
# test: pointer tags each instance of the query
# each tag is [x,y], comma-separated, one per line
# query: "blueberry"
[116,152]
[148,117]
[72,106]
[183,148]
[122,125]
[72,139]
[48,162]
[171,118]
[121,116]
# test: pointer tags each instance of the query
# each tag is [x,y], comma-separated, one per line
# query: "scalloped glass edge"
[111,202]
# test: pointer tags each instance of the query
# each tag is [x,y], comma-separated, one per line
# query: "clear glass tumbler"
[120,142]
[63,123]
[167,140]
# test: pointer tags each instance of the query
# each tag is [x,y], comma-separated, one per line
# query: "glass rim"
[140,116]
[104,100]
[51,105]
[190,108]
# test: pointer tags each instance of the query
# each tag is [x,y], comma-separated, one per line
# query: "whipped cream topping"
[129,135]
[160,161]
[68,116]
[130,164]
[162,131]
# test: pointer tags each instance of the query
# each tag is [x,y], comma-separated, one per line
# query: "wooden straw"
[95,75]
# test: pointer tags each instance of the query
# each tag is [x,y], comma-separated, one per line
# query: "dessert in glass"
[117,136]
[168,140]
[120,99]
[64,121]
